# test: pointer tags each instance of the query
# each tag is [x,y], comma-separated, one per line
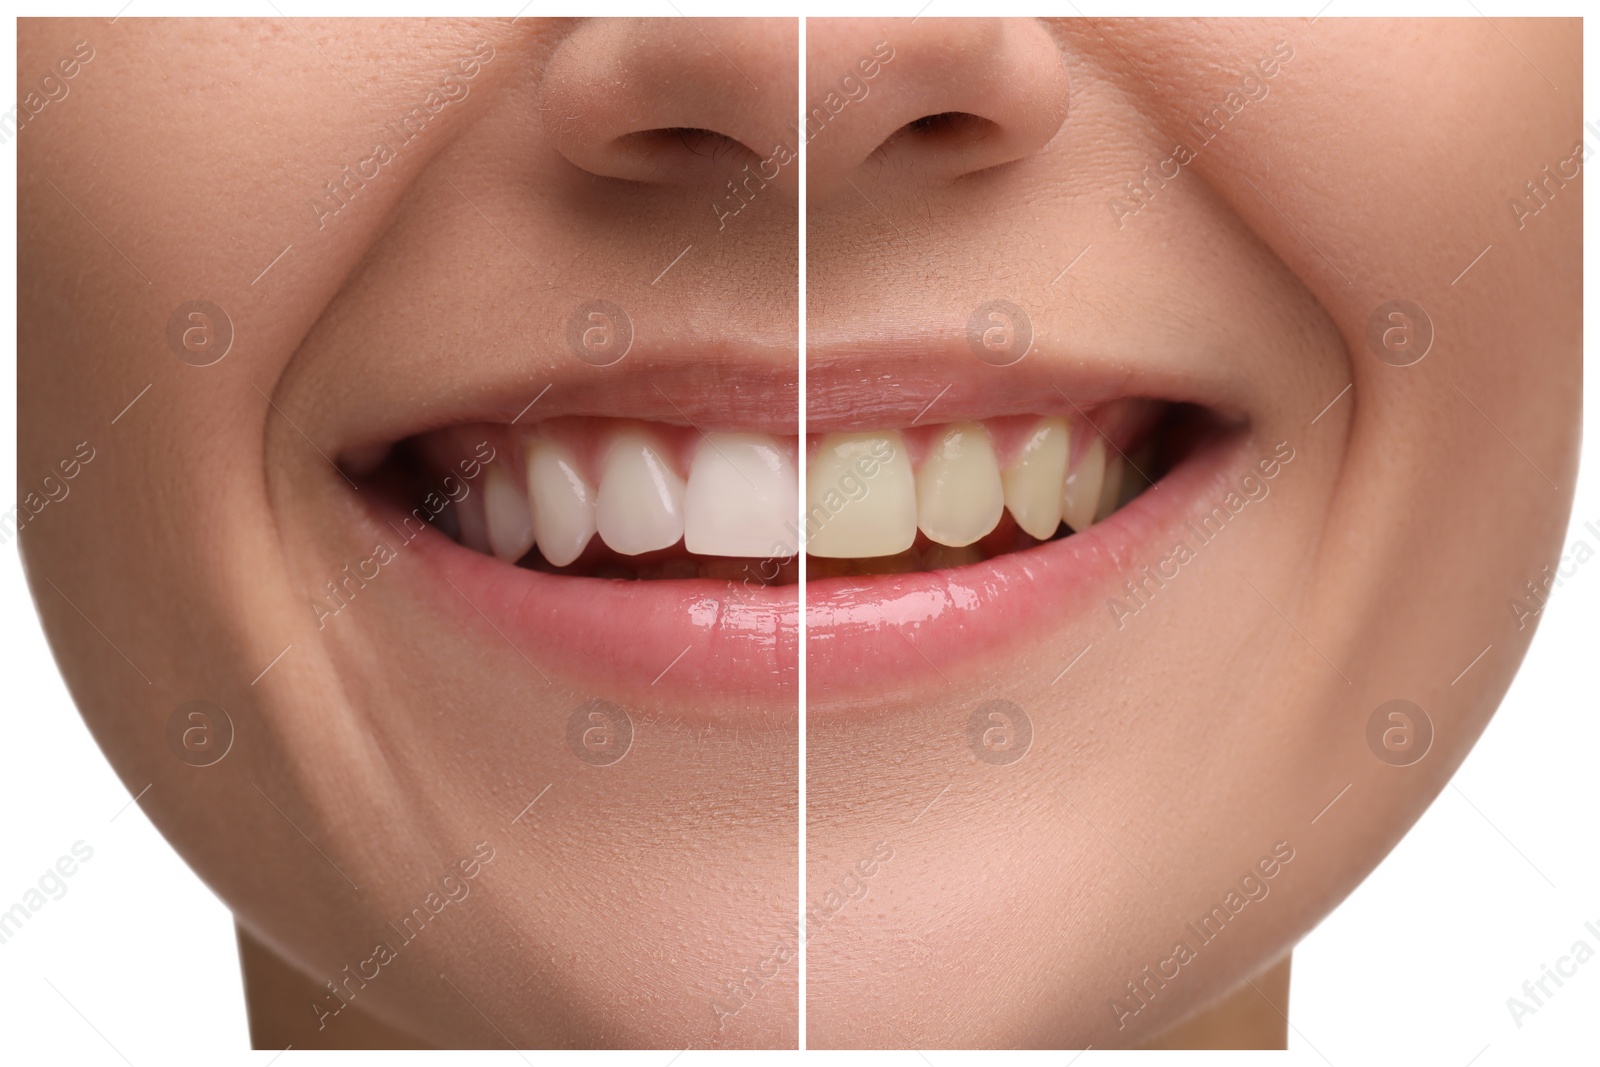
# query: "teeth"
[740,498]
[506,513]
[1080,496]
[959,496]
[1034,481]
[866,501]
[640,504]
[861,497]
[563,503]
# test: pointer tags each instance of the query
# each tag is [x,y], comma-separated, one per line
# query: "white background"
[136,963]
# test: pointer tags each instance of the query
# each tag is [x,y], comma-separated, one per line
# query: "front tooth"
[507,514]
[640,505]
[563,503]
[959,495]
[740,498]
[861,497]
[1080,495]
[1033,483]
[1110,488]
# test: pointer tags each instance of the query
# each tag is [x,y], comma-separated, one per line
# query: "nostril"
[683,141]
[708,143]
[947,128]
[954,142]
[662,154]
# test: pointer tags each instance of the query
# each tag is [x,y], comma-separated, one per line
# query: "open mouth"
[624,500]
[660,560]
[636,501]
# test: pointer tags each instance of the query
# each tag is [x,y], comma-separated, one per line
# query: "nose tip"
[669,101]
[935,98]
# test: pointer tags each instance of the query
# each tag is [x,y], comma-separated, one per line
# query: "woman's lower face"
[1156,442]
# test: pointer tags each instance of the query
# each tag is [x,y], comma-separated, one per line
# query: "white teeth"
[1080,496]
[861,497]
[740,497]
[959,495]
[1110,488]
[507,515]
[640,504]
[1034,480]
[563,503]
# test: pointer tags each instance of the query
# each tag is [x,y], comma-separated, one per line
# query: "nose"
[935,98]
[672,101]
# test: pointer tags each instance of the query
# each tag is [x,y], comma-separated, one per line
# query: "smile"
[660,549]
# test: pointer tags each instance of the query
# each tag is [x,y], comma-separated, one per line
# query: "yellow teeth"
[1080,494]
[861,497]
[864,500]
[1034,480]
[959,495]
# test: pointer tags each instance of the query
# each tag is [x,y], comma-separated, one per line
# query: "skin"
[1221,719]
[197,540]
[381,750]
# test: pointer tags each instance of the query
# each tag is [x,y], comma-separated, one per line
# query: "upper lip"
[709,384]
[904,381]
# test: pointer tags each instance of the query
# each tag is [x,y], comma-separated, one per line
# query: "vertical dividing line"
[800,510]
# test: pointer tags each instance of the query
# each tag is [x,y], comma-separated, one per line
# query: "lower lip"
[689,649]
[873,636]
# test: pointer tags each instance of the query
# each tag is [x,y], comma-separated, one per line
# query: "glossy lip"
[696,649]
[870,637]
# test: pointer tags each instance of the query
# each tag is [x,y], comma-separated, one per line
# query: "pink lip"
[695,649]
[874,635]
